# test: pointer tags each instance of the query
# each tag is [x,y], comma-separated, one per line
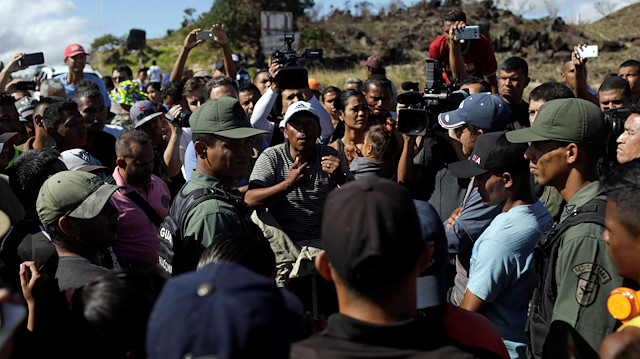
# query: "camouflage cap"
[223,116]
[72,193]
[565,120]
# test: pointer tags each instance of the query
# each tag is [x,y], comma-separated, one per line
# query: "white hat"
[298,107]
[78,159]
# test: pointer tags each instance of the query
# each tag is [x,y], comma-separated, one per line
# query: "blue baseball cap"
[483,110]
[223,311]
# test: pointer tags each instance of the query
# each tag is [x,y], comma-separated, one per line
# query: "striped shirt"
[300,212]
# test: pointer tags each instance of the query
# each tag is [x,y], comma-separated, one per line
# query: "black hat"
[370,230]
[493,153]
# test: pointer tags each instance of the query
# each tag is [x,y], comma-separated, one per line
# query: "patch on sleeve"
[590,277]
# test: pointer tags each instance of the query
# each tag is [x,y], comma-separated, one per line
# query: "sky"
[50,25]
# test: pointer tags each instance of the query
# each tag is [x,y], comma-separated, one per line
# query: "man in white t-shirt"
[155,72]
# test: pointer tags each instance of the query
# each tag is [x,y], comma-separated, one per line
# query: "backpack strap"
[110,180]
[151,213]
[194,198]
[145,207]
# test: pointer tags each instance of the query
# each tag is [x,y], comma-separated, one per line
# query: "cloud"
[589,13]
[41,26]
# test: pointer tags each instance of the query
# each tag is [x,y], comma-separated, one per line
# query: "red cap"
[373,61]
[73,50]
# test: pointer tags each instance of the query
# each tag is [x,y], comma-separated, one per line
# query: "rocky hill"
[402,35]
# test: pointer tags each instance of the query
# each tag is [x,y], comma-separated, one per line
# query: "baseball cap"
[25,107]
[373,61]
[128,93]
[314,85]
[483,110]
[223,116]
[143,111]
[73,50]
[566,120]
[493,153]
[223,311]
[77,159]
[379,238]
[432,282]
[296,108]
[203,73]
[75,194]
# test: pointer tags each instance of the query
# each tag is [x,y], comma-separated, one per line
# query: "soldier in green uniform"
[221,136]
[575,273]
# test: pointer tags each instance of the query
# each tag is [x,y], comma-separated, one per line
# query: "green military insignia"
[590,277]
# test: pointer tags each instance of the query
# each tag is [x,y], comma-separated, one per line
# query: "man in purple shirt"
[143,200]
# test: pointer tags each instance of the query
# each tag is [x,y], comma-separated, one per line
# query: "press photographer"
[289,84]
[424,169]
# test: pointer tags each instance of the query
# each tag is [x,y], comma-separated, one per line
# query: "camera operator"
[614,92]
[262,108]
[615,99]
[628,70]
[478,114]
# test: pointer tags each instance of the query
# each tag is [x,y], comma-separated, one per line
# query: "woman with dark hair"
[352,109]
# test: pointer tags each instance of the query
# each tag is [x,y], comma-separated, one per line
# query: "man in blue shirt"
[477,115]
[76,58]
[501,275]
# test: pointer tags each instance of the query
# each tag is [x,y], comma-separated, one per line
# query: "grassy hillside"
[402,35]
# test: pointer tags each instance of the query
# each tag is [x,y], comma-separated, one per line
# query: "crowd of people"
[207,215]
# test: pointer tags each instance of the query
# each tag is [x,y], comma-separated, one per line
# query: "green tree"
[242,17]
[106,42]
[188,16]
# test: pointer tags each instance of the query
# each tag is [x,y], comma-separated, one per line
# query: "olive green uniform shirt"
[211,217]
[585,275]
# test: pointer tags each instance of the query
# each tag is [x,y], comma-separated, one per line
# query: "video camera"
[293,75]
[182,120]
[615,117]
[438,97]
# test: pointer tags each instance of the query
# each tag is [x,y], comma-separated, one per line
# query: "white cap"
[77,159]
[297,107]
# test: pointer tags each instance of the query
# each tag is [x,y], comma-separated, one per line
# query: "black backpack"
[178,254]
[545,257]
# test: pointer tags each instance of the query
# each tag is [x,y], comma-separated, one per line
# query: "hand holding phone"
[468,33]
[26,86]
[587,51]
[31,59]
[205,35]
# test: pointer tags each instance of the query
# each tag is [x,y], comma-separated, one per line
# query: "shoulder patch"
[590,277]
